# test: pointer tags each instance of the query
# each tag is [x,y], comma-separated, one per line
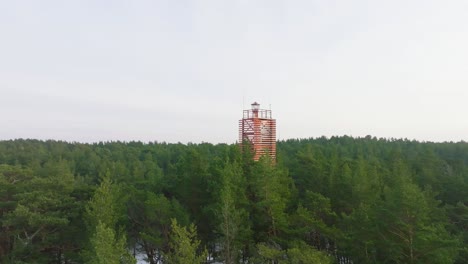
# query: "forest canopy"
[325,200]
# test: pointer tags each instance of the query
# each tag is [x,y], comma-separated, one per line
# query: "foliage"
[106,245]
[360,200]
[108,248]
[300,253]
[184,245]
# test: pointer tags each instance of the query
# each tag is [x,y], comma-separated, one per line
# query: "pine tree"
[107,245]
[233,218]
[185,246]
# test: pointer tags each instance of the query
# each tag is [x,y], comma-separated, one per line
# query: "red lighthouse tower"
[258,129]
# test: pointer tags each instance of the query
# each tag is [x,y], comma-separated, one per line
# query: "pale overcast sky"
[183,70]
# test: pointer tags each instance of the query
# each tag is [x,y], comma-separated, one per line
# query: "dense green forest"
[325,200]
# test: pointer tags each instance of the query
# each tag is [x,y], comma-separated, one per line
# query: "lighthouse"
[257,129]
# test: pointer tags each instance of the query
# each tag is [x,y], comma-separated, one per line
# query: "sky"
[183,71]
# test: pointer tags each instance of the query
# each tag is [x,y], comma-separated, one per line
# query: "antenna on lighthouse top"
[243,99]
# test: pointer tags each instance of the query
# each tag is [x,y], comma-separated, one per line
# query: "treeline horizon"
[340,200]
[92,142]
